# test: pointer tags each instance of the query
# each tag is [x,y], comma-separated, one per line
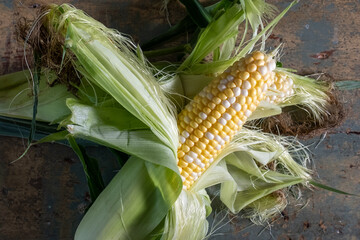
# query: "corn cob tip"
[282,88]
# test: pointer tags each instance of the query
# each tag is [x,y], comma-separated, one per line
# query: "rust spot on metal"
[323,55]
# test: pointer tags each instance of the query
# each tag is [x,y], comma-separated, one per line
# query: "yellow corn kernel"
[182,164]
[189,143]
[244,75]
[188,170]
[193,138]
[207,124]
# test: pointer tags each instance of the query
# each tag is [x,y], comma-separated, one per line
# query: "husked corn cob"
[213,117]
[280,89]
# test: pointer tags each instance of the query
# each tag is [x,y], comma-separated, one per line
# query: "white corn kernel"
[247,113]
[222,121]
[188,159]
[192,154]
[203,115]
[237,91]
[209,135]
[185,134]
[226,103]
[237,107]
[227,116]
[263,70]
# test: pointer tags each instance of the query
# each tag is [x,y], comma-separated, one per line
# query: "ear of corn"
[210,121]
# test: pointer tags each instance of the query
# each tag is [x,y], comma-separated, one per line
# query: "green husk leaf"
[348,85]
[265,208]
[91,169]
[133,204]
[310,94]
[219,31]
[286,152]
[16,98]
[193,65]
[227,48]
[255,10]
[247,188]
[213,176]
[193,84]
[187,218]
[331,189]
[21,127]
[118,129]
[106,58]
[197,12]
[265,109]
[149,181]
[58,136]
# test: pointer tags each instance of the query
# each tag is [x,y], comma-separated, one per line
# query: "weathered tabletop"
[44,194]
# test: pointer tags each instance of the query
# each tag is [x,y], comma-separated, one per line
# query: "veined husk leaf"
[213,176]
[141,194]
[105,58]
[173,88]
[309,93]
[265,109]
[255,10]
[187,217]
[217,33]
[266,148]
[247,188]
[193,84]
[263,209]
[16,98]
[132,205]
[118,129]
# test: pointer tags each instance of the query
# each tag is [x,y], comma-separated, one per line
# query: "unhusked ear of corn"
[214,116]
[281,88]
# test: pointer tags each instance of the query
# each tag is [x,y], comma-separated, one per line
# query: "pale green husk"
[144,126]
[262,210]
[105,58]
[310,94]
[141,194]
[218,39]
[246,178]
[16,98]
[187,218]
